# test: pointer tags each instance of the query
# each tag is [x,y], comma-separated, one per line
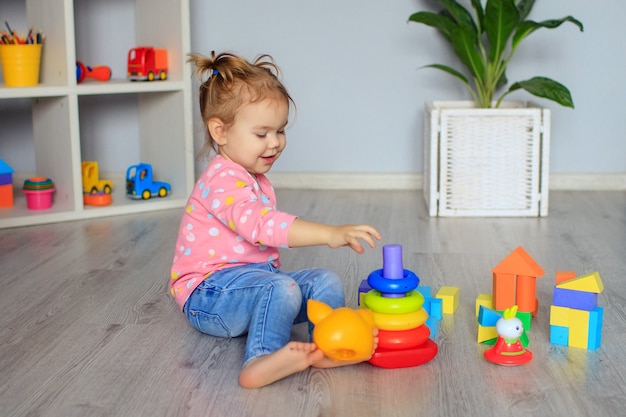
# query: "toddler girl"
[226,273]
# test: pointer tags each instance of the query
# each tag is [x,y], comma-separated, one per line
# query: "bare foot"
[292,358]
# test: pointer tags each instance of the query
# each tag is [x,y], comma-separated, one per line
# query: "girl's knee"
[286,291]
[329,288]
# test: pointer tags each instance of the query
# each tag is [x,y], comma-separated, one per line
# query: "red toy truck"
[147,63]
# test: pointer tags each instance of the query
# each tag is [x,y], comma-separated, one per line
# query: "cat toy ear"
[317,310]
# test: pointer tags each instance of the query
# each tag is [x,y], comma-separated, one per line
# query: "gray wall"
[352,68]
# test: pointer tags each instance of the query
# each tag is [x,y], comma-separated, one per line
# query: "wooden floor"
[87,327]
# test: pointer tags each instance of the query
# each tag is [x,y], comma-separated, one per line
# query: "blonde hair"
[231,81]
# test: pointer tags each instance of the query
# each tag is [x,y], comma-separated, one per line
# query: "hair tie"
[214,72]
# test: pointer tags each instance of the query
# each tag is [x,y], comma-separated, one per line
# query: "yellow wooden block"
[449,299]
[587,283]
[486,333]
[578,328]
[559,316]
[361,298]
[484,300]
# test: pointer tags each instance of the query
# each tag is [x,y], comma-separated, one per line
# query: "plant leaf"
[438,21]
[480,14]
[527,27]
[524,7]
[450,71]
[501,18]
[460,14]
[545,88]
[465,47]
[502,81]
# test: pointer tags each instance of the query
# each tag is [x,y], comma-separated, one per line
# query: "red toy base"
[387,358]
[508,360]
[403,339]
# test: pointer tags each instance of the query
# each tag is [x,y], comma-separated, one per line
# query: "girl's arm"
[306,233]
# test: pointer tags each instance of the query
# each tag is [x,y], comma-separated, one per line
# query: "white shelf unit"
[62,111]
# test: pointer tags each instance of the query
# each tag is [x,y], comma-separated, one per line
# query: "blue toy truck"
[139,183]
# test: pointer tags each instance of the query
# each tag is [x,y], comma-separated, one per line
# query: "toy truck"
[139,183]
[147,63]
[92,184]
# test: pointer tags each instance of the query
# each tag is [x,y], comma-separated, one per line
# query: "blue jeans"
[260,300]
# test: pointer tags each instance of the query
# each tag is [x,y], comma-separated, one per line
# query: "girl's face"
[257,137]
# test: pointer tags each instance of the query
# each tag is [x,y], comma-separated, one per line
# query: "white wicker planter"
[486,162]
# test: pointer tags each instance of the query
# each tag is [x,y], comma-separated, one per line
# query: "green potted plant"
[479,165]
[486,42]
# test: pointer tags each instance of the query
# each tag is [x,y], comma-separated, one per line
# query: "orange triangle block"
[587,283]
[519,262]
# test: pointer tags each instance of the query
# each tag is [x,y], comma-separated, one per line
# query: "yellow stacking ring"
[404,321]
[413,301]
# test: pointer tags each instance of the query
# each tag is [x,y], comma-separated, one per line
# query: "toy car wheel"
[162,192]
[107,189]
[93,191]
[146,194]
[151,76]
[162,75]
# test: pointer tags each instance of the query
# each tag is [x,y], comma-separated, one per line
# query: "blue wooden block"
[425,290]
[595,328]
[580,300]
[559,335]
[436,308]
[431,322]
[426,306]
[364,286]
[487,316]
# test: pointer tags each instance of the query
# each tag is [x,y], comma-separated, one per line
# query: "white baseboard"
[400,181]
[589,182]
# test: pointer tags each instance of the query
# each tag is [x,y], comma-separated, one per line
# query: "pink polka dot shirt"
[230,220]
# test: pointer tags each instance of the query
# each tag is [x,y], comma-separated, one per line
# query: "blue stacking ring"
[409,282]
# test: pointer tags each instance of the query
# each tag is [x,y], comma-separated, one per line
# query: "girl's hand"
[350,235]
[306,233]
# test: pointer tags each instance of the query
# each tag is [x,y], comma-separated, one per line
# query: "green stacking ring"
[393,305]
[38,183]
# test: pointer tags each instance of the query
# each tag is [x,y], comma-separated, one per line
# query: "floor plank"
[87,327]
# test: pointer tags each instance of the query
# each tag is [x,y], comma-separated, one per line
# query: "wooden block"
[559,316]
[450,299]
[579,300]
[488,317]
[436,308]
[587,283]
[562,276]
[595,328]
[519,262]
[364,287]
[559,335]
[6,195]
[525,294]
[578,328]
[425,290]
[431,322]
[486,333]
[484,300]
[503,291]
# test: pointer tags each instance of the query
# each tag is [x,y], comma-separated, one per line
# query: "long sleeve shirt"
[230,219]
